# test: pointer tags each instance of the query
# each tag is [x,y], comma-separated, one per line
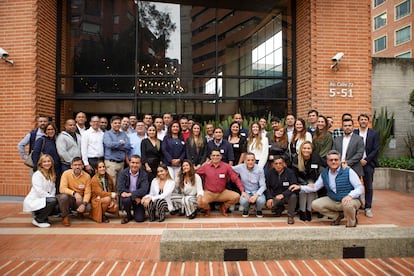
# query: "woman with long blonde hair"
[258,144]
[41,199]
[307,166]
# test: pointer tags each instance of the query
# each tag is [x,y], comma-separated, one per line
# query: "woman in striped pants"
[190,188]
[159,198]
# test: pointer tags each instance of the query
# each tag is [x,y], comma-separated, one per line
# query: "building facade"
[392,28]
[205,59]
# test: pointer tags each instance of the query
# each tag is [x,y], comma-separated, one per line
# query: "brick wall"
[324,28]
[27,32]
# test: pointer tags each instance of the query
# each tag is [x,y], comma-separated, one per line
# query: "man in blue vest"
[344,189]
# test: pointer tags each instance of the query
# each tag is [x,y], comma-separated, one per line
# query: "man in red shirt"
[216,174]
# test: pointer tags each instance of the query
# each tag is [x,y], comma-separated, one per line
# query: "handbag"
[29,160]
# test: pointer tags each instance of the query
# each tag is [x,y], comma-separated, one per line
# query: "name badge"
[182,142]
[222,150]
[314,166]
[285,183]
[243,134]
[236,145]
[81,186]
[222,175]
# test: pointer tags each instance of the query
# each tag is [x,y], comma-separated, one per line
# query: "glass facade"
[150,57]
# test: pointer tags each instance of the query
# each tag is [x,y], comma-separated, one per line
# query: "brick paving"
[88,248]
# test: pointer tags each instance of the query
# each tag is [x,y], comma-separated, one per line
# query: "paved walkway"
[88,248]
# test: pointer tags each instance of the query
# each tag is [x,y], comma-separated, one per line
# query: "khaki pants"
[331,208]
[113,169]
[227,197]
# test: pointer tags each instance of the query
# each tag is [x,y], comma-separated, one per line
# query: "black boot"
[308,215]
[302,216]
[152,215]
[162,216]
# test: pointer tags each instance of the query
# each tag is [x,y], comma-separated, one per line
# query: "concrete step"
[286,244]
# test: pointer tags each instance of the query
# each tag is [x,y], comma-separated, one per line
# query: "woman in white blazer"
[41,199]
[159,198]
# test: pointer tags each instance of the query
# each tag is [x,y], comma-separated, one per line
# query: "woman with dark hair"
[173,149]
[300,135]
[307,166]
[238,143]
[47,145]
[159,198]
[278,145]
[190,187]
[41,199]
[104,198]
[196,146]
[322,138]
[151,154]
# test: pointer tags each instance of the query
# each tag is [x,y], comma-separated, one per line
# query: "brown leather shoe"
[80,216]
[291,220]
[66,221]
[337,221]
[223,210]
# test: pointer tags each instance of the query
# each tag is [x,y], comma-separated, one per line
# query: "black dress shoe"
[308,215]
[193,215]
[125,220]
[302,216]
[338,219]
[105,219]
[181,213]
[174,212]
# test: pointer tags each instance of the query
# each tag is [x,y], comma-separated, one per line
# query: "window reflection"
[152,49]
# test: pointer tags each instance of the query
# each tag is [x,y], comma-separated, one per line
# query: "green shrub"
[405,163]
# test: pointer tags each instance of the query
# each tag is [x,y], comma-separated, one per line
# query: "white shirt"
[262,153]
[363,134]
[92,144]
[345,144]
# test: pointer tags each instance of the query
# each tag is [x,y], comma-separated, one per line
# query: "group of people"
[160,166]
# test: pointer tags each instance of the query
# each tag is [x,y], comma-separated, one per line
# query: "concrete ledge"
[394,179]
[292,243]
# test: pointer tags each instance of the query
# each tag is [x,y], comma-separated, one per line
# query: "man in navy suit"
[369,160]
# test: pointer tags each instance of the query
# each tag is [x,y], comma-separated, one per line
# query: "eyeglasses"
[333,159]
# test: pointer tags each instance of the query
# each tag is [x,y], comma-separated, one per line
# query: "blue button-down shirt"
[116,144]
[253,180]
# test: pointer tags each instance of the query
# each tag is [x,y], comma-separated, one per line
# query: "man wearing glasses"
[344,189]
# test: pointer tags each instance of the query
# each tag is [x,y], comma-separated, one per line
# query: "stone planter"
[394,179]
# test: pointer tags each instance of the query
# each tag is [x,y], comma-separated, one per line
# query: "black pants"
[42,214]
[139,210]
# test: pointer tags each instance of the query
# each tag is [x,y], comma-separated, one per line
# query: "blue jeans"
[260,201]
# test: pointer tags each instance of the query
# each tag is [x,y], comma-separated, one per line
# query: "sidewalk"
[88,248]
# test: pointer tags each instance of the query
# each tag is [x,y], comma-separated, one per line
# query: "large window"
[159,57]
[380,20]
[403,35]
[403,9]
[380,44]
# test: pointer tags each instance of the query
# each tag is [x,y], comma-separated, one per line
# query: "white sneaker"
[368,213]
[40,224]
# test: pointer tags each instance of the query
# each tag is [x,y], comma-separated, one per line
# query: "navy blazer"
[372,145]
[354,153]
[142,185]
